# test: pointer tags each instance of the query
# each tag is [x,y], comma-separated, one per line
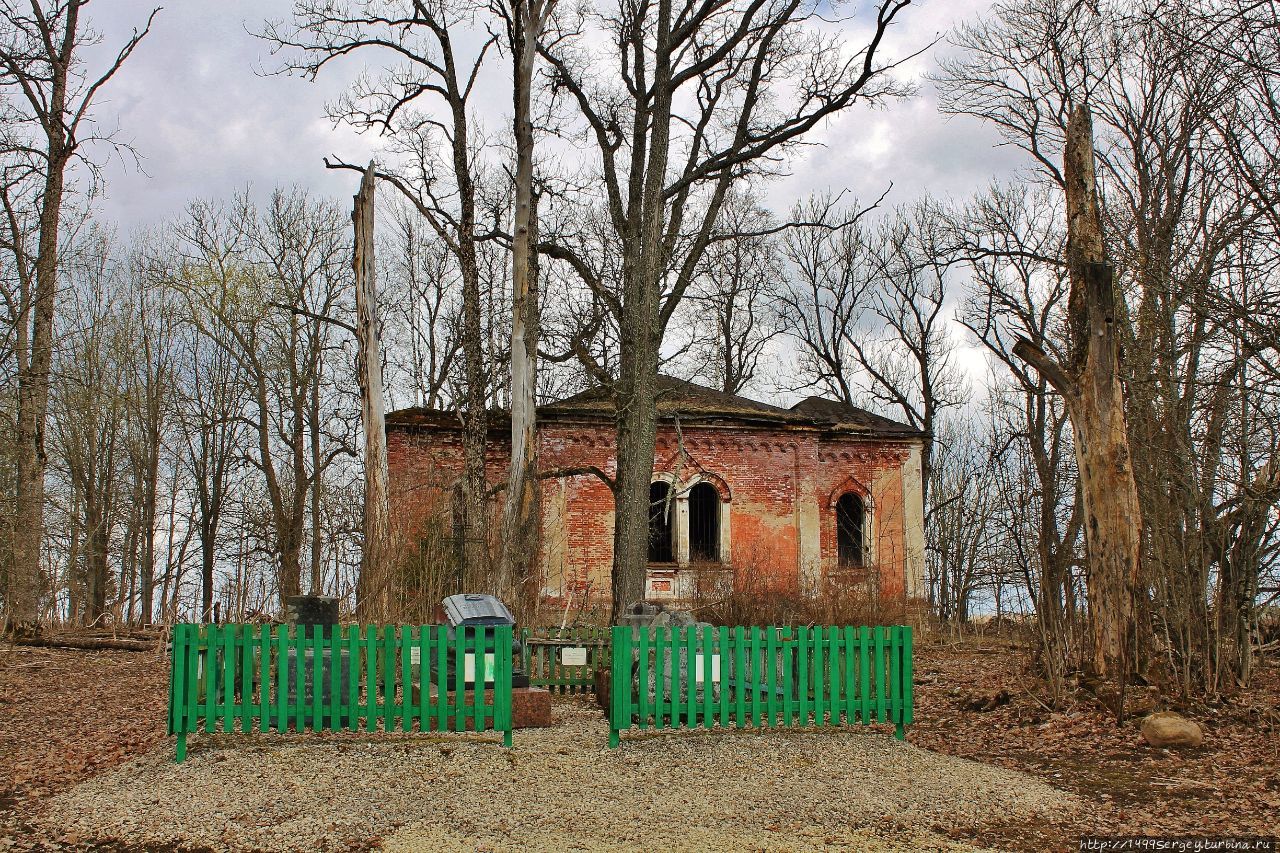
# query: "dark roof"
[675,396]
[693,403]
[844,415]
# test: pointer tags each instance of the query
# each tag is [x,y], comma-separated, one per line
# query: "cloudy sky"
[199,106]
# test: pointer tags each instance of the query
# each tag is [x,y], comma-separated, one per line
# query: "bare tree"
[440,179]
[831,275]
[733,309]
[1011,238]
[1183,219]
[420,310]
[697,102]
[263,286]
[89,428]
[213,396]
[49,95]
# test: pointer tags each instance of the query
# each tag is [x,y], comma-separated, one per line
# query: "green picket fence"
[234,677]
[703,677]
[563,660]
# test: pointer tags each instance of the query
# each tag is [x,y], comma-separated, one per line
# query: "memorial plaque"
[573,656]
[469,667]
[700,668]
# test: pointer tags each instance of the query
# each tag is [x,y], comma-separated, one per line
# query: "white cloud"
[198,106]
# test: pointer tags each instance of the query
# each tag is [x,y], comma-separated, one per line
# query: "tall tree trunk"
[640,339]
[33,397]
[372,586]
[520,519]
[475,416]
[150,498]
[317,486]
[1091,387]
[637,430]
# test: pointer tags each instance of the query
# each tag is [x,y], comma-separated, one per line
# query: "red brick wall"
[763,470]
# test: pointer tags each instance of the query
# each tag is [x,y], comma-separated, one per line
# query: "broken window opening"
[850,517]
[660,512]
[704,523]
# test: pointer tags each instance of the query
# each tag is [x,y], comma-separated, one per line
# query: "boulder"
[1167,729]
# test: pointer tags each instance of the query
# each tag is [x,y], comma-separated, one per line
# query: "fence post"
[906,685]
[502,683]
[178,692]
[620,684]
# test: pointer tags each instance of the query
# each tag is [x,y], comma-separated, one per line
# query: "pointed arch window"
[850,527]
[660,528]
[704,523]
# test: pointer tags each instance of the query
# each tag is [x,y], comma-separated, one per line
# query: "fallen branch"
[91,643]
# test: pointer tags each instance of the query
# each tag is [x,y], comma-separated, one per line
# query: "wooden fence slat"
[351,669]
[282,677]
[892,673]
[771,675]
[660,642]
[442,678]
[707,646]
[317,677]
[850,674]
[787,675]
[178,682]
[264,677]
[690,637]
[740,675]
[879,674]
[502,687]
[908,693]
[338,678]
[642,651]
[227,686]
[819,704]
[459,677]
[755,669]
[726,673]
[834,681]
[421,683]
[244,687]
[482,676]
[620,683]
[803,653]
[864,672]
[406,678]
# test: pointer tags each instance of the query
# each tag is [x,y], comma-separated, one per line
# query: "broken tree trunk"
[520,520]
[1090,386]
[372,586]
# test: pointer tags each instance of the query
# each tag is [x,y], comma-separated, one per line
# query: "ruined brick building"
[742,491]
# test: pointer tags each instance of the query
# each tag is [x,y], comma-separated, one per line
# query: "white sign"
[699,668]
[415,655]
[469,667]
[575,656]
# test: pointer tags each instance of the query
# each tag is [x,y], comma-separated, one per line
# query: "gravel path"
[557,789]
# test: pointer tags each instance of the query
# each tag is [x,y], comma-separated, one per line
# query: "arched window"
[704,523]
[661,509]
[850,517]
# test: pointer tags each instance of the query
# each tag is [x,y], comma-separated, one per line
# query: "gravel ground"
[557,789]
